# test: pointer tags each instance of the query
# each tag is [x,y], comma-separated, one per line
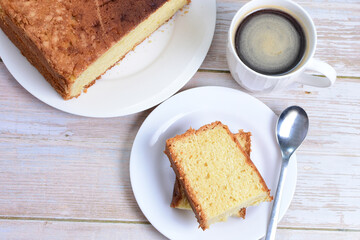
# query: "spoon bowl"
[292,128]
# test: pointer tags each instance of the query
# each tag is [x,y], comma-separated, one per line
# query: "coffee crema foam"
[270,41]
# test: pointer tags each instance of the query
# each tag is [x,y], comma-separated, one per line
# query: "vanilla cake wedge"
[180,200]
[72,43]
[217,175]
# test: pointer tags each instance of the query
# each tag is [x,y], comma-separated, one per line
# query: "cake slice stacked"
[180,200]
[217,176]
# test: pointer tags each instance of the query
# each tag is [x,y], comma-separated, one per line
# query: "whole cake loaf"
[72,43]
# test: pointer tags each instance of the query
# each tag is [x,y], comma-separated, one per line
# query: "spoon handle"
[270,234]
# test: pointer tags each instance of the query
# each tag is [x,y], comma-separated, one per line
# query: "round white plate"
[152,179]
[157,68]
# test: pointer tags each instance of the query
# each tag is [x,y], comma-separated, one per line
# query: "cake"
[180,200]
[217,175]
[72,43]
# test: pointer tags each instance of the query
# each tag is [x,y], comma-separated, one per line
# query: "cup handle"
[321,67]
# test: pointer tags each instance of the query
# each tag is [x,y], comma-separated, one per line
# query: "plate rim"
[164,93]
[204,88]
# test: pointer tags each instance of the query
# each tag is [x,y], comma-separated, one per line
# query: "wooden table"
[67,177]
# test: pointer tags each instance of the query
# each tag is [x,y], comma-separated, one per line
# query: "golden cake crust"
[246,139]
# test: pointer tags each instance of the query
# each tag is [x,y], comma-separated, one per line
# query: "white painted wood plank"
[338,27]
[334,115]
[327,193]
[57,165]
[53,230]
[28,230]
[288,234]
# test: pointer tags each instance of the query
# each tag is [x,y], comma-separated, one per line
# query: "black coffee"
[270,42]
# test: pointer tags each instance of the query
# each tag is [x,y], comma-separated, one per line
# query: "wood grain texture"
[67,152]
[34,230]
[61,166]
[67,177]
[338,27]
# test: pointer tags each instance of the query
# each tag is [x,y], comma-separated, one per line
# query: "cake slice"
[72,43]
[217,175]
[180,200]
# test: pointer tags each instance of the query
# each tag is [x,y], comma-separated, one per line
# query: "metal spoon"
[291,131]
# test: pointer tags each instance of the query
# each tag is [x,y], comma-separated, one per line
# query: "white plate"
[152,179]
[157,68]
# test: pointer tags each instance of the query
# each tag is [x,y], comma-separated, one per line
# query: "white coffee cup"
[257,82]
